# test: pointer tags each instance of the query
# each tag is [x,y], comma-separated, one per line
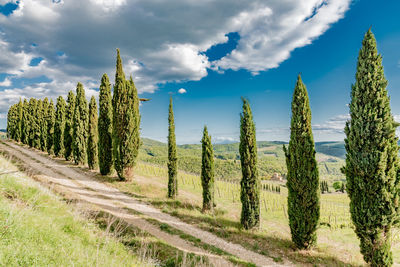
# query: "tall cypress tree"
[105,127]
[80,126]
[372,158]
[19,110]
[172,155]
[207,171]
[302,176]
[37,133]
[59,127]
[32,118]
[43,124]
[126,139]
[250,183]
[25,124]
[50,127]
[69,121]
[92,148]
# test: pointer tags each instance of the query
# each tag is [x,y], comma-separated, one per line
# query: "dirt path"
[117,203]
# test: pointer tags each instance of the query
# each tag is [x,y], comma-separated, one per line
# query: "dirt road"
[113,201]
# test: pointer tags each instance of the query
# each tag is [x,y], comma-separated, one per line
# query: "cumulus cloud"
[159,42]
[182,91]
[334,125]
[6,83]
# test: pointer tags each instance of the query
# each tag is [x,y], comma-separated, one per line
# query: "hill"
[227,161]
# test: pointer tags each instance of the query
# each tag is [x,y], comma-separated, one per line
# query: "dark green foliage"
[93,135]
[38,116]
[207,171]
[50,127]
[372,158]
[302,176]
[172,155]
[33,123]
[59,127]
[25,123]
[324,188]
[105,127]
[12,122]
[126,124]
[250,183]
[80,126]
[43,123]
[69,121]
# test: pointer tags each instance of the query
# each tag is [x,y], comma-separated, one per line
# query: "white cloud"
[334,125]
[159,42]
[6,83]
[182,91]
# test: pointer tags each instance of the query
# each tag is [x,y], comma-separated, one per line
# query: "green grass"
[38,229]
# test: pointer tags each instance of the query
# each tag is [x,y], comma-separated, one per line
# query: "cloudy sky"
[207,54]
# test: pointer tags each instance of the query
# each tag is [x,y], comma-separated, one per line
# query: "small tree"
[372,165]
[105,127]
[59,127]
[172,155]
[80,126]
[250,183]
[207,171]
[69,122]
[43,124]
[93,135]
[302,177]
[50,127]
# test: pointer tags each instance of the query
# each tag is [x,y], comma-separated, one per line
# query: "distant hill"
[271,158]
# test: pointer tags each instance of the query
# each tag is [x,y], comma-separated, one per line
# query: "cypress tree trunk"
[68,132]
[59,127]
[93,135]
[302,176]
[126,121]
[372,158]
[207,171]
[250,183]
[80,127]
[50,127]
[172,155]
[105,127]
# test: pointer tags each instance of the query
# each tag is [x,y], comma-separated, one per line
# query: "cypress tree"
[32,108]
[372,158]
[250,183]
[207,171]
[80,126]
[19,110]
[37,133]
[302,176]
[59,127]
[172,155]
[43,124]
[25,123]
[126,120]
[92,148]
[105,127]
[12,122]
[69,121]
[50,127]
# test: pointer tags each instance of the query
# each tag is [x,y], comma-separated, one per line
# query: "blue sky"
[216,51]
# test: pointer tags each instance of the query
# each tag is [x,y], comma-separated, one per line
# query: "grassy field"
[337,243]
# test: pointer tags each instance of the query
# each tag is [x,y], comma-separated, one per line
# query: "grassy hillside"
[37,229]
[271,158]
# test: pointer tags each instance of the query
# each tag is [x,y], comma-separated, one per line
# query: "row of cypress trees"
[78,131]
[372,165]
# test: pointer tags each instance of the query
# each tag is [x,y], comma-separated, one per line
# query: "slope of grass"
[38,229]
